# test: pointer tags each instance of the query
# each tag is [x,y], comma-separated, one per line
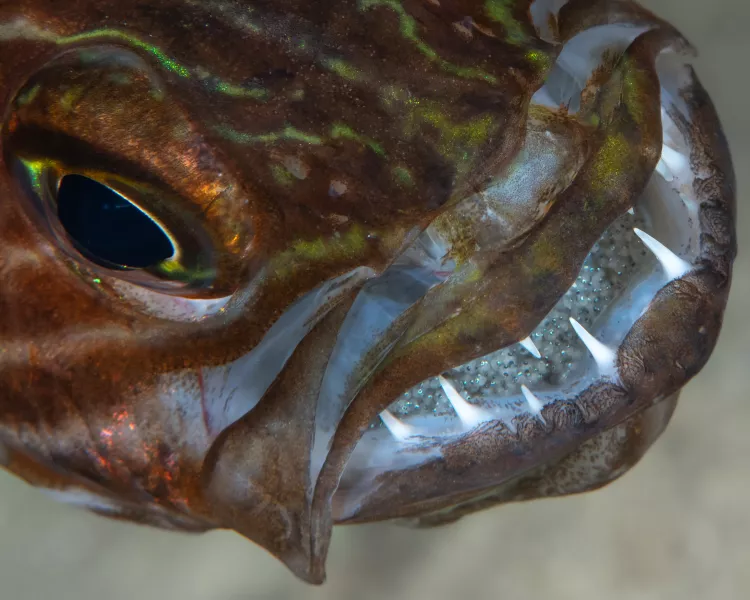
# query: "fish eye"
[116,225]
[78,144]
[109,229]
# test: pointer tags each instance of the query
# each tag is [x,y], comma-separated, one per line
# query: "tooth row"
[605,357]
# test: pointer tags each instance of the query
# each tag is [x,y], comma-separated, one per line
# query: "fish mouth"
[640,319]
[416,392]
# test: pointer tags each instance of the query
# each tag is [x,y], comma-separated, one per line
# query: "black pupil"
[108,228]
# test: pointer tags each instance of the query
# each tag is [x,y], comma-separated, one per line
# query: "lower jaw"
[499,395]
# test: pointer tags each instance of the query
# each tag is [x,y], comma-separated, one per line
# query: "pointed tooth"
[534,403]
[530,347]
[672,264]
[470,415]
[631,211]
[399,430]
[604,356]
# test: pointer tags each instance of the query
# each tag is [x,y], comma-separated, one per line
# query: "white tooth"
[534,404]
[676,161]
[530,347]
[603,355]
[470,415]
[631,211]
[672,264]
[400,430]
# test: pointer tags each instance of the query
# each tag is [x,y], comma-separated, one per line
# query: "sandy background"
[677,527]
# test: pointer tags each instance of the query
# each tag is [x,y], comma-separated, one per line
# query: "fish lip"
[653,361]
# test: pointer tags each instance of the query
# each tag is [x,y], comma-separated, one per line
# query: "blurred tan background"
[677,527]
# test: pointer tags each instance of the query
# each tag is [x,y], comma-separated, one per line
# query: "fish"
[277,266]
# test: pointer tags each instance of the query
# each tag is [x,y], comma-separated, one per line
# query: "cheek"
[41,294]
[166,307]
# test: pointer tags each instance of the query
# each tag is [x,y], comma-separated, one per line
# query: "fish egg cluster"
[605,273]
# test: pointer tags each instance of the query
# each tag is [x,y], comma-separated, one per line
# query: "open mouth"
[572,348]
[581,347]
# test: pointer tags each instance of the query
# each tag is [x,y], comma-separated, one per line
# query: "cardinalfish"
[276,266]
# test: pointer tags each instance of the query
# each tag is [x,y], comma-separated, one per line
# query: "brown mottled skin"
[204,113]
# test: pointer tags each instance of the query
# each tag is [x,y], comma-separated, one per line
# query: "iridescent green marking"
[501,11]
[26,30]
[166,62]
[343,69]
[608,164]
[541,60]
[403,176]
[341,131]
[311,250]
[408,29]
[236,18]
[28,96]
[176,271]
[237,91]
[289,133]
[35,169]
[545,258]
[69,99]
[349,244]
[456,140]
[634,82]
[472,274]
[282,176]
[114,34]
